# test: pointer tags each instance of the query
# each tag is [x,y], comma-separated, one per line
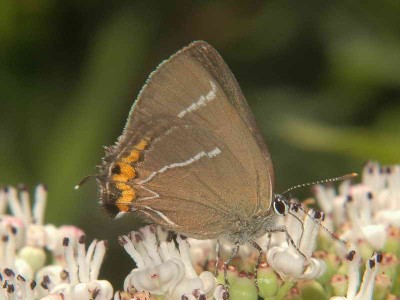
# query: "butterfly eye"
[280,207]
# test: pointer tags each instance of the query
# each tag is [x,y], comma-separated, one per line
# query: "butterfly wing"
[216,66]
[191,154]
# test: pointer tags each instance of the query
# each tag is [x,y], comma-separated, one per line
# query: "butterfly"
[191,157]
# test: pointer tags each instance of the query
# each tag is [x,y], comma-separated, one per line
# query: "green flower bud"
[389,265]
[324,242]
[294,294]
[364,249]
[343,268]
[268,282]
[383,284]
[243,288]
[339,284]
[232,273]
[35,257]
[312,290]
[332,264]
[392,244]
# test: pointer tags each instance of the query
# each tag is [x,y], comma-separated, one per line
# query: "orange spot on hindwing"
[122,172]
[132,157]
[142,144]
[123,186]
[126,198]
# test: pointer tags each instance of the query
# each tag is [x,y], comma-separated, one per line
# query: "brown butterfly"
[191,157]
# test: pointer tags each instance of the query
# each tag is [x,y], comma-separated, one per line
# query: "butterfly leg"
[257,266]
[269,240]
[233,254]
[218,252]
[289,239]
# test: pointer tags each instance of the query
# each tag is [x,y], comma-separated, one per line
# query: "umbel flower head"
[162,269]
[366,214]
[25,244]
[305,264]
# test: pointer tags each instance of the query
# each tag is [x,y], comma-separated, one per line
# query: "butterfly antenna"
[340,178]
[333,236]
[84,180]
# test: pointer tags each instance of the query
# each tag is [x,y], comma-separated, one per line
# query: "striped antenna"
[333,236]
[340,178]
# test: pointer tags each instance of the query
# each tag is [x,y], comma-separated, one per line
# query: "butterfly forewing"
[201,155]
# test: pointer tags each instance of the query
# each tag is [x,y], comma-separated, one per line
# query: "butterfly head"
[281,205]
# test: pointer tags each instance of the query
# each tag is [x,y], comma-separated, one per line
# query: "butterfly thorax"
[250,229]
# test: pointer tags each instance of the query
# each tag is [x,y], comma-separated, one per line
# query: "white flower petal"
[209,282]
[157,279]
[375,235]
[220,293]
[53,272]
[388,217]
[186,286]
[52,236]
[285,262]
[315,269]
[102,288]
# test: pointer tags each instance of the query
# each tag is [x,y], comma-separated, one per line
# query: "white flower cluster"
[162,269]
[365,211]
[166,264]
[23,244]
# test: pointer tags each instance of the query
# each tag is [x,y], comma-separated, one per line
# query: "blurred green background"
[322,78]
